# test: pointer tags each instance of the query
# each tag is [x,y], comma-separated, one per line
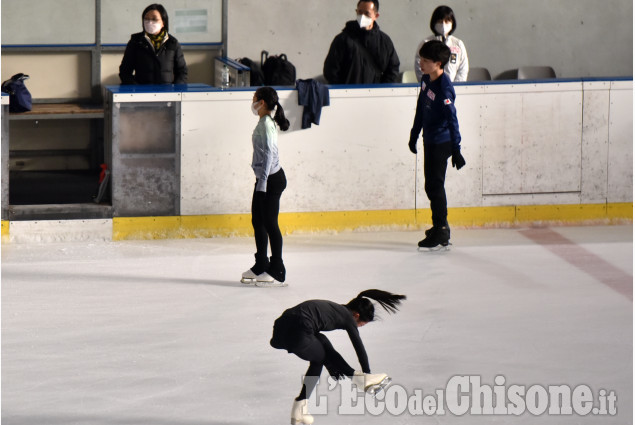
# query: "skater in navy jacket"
[436,116]
[299,331]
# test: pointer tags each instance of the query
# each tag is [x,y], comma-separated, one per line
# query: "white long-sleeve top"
[265,159]
[457,67]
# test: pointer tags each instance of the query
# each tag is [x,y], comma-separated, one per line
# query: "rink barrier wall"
[223,225]
[548,151]
[337,221]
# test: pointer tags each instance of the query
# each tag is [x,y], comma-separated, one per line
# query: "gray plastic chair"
[478,74]
[511,74]
[535,72]
[409,77]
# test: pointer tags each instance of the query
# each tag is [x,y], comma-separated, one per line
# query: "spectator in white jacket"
[443,25]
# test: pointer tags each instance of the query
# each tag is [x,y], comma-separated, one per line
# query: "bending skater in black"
[299,331]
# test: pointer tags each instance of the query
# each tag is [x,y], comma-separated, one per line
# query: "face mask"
[255,108]
[443,28]
[151,27]
[364,21]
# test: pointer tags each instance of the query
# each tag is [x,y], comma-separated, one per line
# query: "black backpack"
[278,71]
[19,95]
[256,78]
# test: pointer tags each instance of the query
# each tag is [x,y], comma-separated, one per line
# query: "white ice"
[162,332]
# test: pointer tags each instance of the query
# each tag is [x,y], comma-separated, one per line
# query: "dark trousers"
[435,164]
[291,334]
[264,217]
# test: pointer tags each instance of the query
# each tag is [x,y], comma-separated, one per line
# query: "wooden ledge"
[60,111]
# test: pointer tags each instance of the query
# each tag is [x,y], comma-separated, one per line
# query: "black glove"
[413,146]
[457,159]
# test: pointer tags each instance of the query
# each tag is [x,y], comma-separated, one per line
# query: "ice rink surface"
[162,332]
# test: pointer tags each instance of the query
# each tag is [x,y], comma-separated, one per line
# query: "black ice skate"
[436,237]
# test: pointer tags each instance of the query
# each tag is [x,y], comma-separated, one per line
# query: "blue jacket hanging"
[312,95]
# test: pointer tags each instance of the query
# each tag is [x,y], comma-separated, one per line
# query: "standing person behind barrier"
[362,53]
[152,56]
[270,183]
[443,25]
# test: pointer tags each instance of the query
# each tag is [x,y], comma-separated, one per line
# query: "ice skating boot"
[299,413]
[265,280]
[248,277]
[372,383]
[274,276]
[436,237]
[276,269]
[428,232]
[251,275]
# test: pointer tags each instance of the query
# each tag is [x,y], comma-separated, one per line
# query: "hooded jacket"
[167,66]
[349,63]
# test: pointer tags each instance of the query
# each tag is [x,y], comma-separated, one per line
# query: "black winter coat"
[167,66]
[347,63]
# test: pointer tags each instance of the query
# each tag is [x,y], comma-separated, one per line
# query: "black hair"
[159,8]
[375,2]
[270,96]
[362,304]
[442,13]
[435,50]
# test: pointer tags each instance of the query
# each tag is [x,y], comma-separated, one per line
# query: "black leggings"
[435,164]
[291,334]
[264,216]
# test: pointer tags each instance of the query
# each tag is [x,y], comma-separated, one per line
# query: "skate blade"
[247,280]
[375,389]
[274,284]
[300,422]
[434,248]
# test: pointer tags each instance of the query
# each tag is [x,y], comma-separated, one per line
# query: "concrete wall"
[578,38]
[525,144]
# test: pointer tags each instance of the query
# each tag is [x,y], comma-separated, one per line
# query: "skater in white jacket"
[299,331]
[443,25]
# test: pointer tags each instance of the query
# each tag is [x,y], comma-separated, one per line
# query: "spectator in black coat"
[362,53]
[152,56]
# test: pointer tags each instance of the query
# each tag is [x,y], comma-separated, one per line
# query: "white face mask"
[255,107]
[364,21]
[151,27]
[443,28]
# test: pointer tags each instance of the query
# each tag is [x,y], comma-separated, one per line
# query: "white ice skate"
[372,383]
[300,414]
[248,277]
[265,280]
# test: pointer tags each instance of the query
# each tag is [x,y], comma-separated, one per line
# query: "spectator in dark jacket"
[362,53]
[153,56]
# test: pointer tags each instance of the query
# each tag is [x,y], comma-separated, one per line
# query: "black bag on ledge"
[19,95]
[255,73]
[277,70]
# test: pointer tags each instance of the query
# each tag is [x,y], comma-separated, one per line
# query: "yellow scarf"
[157,40]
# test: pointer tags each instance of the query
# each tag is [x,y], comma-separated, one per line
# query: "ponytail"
[362,304]
[270,96]
[280,119]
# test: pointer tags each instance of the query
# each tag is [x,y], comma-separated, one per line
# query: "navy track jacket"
[436,113]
